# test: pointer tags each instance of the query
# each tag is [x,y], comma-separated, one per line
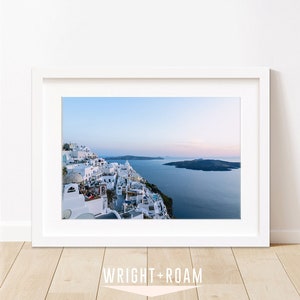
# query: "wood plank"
[77,275]
[218,265]
[221,276]
[31,274]
[8,254]
[286,249]
[121,258]
[162,258]
[263,274]
[222,292]
[289,256]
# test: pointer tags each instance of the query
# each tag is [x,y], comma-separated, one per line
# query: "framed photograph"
[150,157]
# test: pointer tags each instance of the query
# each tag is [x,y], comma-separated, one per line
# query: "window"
[71,190]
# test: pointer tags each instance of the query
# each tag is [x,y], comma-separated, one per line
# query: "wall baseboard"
[11,231]
[21,231]
[285,236]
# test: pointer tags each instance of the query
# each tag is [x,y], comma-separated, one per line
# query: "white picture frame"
[48,88]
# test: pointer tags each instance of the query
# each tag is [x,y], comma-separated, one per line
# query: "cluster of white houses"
[87,181]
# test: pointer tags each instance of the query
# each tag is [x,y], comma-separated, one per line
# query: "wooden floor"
[75,273]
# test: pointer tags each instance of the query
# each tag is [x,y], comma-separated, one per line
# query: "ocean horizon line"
[167,156]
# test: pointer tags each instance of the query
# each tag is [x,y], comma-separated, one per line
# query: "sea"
[196,194]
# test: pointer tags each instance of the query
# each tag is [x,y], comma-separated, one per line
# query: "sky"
[168,126]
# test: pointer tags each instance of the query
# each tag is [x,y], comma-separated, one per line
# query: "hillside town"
[94,188]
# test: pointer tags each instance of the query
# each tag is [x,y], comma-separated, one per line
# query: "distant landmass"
[206,165]
[133,157]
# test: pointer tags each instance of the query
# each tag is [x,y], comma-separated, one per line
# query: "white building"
[135,192]
[79,155]
[75,206]
[110,180]
[97,174]
[94,162]
[99,206]
[73,203]
[85,170]
[109,168]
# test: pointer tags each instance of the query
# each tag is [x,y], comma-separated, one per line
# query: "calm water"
[196,194]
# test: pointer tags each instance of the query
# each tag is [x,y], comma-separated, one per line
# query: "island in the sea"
[206,165]
[133,157]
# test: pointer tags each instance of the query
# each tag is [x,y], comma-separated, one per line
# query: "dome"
[86,216]
[72,178]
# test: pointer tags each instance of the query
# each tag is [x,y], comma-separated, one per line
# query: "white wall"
[150,33]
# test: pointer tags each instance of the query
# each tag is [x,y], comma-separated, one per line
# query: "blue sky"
[191,127]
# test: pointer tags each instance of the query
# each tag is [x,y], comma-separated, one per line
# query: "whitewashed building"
[75,206]
[109,180]
[79,155]
[85,170]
